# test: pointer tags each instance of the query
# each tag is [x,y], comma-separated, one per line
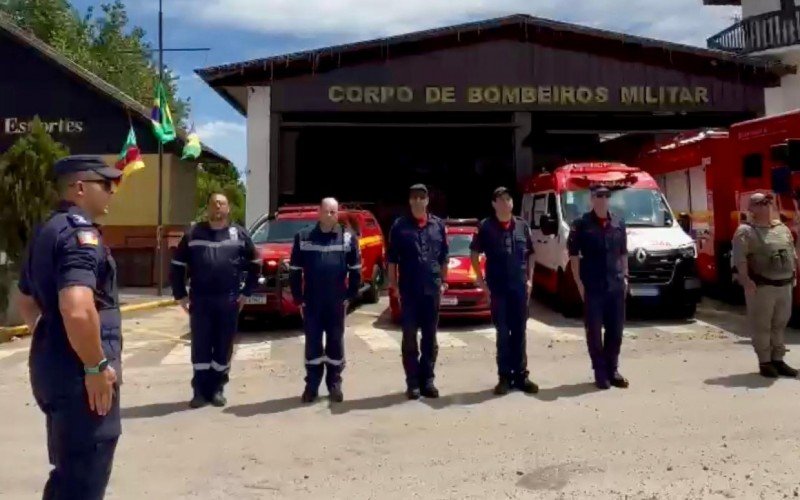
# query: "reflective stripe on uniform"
[218,367]
[216,244]
[202,366]
[334,362]
[311,247]
[256,261]
[295,268]
[179,263]
[357,266]
[316,361]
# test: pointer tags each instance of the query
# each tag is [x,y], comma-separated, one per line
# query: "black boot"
[525,385]
[218,399]
[768,370]
[413,393]
[619,381]
[784,370]
[198,401]
[430,391]
[309,395]
[502,387]
[336,394]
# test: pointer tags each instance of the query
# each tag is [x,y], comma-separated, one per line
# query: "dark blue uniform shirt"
[600,248]
[218,260]
[507,253]
[420,254]
[68,250]
[320,264]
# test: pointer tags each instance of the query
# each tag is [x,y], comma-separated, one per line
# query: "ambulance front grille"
[652,267]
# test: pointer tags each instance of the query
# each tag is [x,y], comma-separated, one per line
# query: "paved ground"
[696,422]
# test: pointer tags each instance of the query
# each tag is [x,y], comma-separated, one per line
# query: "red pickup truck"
[273,236]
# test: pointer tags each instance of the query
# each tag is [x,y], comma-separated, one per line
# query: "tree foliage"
[28,194]
[220,178]
[102,42]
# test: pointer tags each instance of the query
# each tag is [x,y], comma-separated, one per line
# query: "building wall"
[752,8]
[259,153]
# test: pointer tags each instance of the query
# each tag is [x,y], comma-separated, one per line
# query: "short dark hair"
[216,193]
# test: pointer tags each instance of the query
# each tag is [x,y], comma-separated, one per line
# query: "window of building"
[752,166]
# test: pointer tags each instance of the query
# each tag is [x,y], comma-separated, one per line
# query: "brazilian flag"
[161,118]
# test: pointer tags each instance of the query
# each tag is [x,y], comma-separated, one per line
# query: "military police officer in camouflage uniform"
[766,260]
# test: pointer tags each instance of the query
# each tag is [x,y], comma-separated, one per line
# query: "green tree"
[28,194]
[220,178]
[102,43]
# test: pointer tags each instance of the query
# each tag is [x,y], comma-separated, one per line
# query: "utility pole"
[160,250]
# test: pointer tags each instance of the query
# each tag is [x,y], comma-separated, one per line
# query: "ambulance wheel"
[373,293]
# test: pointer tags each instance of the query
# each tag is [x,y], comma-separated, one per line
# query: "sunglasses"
[602,195]
[331,212]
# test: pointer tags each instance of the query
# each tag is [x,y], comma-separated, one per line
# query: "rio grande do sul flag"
[129,159]
[161,117]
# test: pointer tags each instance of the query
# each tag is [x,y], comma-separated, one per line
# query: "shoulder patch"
[233,233]
[78,220]
[88,238]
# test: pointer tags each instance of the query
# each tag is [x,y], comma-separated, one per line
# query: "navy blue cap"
[86,163]
[599,188]
[497,193]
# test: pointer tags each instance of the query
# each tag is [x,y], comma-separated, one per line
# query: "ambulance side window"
[752,166]
[551,206]
[539,209]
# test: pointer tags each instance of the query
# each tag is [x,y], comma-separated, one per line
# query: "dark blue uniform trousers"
[419,313]
[324,328]
[214,323]
[604,309]
[82,460]
[510,316]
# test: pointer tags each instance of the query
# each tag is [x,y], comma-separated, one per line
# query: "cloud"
[228,138]
[683,21]
[219,129]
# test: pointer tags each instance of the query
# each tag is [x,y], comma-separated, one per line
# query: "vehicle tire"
[686,311]
[373,293]
[565,302]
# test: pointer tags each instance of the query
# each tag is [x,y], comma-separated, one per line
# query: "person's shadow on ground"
[746,380]
[154,410]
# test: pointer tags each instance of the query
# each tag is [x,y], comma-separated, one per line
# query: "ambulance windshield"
[459,244]
[280,230]
[638,207]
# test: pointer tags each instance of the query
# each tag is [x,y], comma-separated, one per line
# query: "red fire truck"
[274,234]
[708,176]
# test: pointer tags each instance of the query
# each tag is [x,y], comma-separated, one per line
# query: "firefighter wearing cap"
[766,260]
[417,257]
[69,301]
[325,277]
[507,243]
[218,257]
[598,255]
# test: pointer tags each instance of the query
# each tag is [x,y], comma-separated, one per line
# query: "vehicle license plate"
[256,299]
[449,301]
[644,291]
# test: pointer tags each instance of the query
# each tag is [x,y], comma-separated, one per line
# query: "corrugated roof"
[124,100]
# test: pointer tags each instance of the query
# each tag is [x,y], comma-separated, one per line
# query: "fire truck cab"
[273,236]
[661,258]
[708,176]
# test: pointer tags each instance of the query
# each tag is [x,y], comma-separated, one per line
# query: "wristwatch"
[94,370]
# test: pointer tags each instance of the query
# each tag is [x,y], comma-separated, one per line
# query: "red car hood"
[460,269]
[274,251]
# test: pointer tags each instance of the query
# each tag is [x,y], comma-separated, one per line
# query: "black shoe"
[219,400]
[198,401]
[619,381]
[430,391]
[525,385]
[412,393]
[502,387]
[768,370]
[784,370]
[336,393]
[309,396]
[602,383]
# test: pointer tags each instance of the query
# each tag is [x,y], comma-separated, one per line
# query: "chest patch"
[88,238]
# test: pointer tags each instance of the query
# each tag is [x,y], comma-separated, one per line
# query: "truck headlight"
[688,251]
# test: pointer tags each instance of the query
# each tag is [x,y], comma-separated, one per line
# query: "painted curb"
[21,331]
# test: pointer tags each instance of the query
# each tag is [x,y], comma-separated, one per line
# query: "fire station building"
[90,116]
[483,104]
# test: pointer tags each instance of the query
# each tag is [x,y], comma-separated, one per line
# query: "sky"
[238,30]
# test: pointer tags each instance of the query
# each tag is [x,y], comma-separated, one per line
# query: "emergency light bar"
[613,183]
[461,222]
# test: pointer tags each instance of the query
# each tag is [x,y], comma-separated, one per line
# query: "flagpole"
[159,229]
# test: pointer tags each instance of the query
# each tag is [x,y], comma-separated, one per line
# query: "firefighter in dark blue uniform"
[598,254]
[418,252]
[325,277]
[218,256]
[506,242]
[69,300]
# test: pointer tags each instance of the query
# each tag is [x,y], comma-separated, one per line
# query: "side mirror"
[685,221]
[548,225]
